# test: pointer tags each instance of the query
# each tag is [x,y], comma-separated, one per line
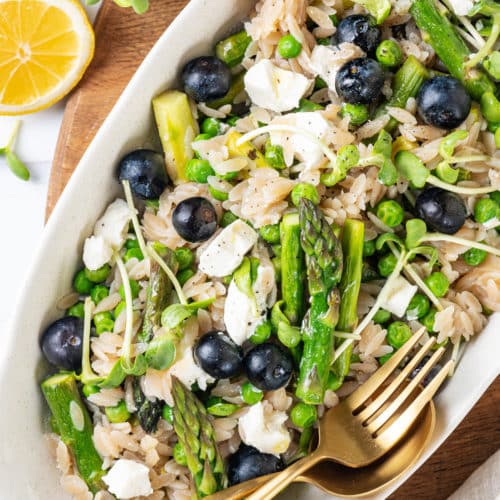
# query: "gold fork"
[369,423]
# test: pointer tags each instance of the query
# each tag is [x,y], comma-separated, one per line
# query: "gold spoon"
[367,425]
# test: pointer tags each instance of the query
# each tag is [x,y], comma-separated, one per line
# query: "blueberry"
[248,463]
[432,372]
[195,219]
[206,78]
[268,366]
[360,81]
[441,210]
[145,171]
[218,355]
[360,30]
[443,102]
[61,343]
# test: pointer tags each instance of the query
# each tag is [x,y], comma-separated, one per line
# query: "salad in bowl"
[327,184]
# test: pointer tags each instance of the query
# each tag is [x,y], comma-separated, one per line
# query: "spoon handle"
[285,477]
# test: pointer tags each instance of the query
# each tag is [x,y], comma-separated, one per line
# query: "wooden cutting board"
[122,40]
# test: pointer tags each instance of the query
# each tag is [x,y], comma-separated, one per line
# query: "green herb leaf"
[388,174]
[138,368]
[17,167]
[161,352]
[140,6]
[385,238]
[430,252]
[383,144]
[115,377]
[379,9]
[174,315]
[412,168]
[415,231]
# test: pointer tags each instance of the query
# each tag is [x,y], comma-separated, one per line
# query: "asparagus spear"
[196,434]
[74,425]
[324,269]
[148,412]
[159,290]
[450,47]
[352,247]
[292,268]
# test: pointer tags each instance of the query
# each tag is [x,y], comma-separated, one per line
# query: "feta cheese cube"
[96,252]
[113,225]
[399,297]
[128,479]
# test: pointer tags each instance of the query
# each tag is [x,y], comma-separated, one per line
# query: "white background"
[22,204]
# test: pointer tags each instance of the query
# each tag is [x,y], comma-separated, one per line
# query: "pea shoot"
[389,54]
[117,414]
[398,333]
[16,166]
[270,233]
[98,275]
[304,415]
[438,283]
[357,113]
[76,310]
[304,190]
[199,170]
[184,257]
[485,209]
[390,212]
[474,256]
[289,47]
[418,307]
[250,394]
[386,264]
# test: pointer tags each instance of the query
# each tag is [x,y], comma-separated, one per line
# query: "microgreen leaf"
[430,252]
[448,144]
[174,315]
[115,377]
[385,238]
[388,174]
[140,6]
[379,9]
[383,144]
[138,367]
[161,352]
[412,168]
[447,173]
[415,231]
[17,167]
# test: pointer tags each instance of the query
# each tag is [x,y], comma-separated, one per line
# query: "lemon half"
[45,47]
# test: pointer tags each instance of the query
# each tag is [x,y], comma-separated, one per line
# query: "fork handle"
[285,477]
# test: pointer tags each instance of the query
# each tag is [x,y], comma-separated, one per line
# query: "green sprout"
[16,166]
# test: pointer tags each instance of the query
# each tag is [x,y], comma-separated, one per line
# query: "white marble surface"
[22,204]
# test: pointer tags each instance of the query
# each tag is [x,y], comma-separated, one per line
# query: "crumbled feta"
[274,88]
[263,428]
[462,7]
[298,145]
[225,253]
[326,61]
[399,297]
[96,252]
[242,314]
[128,479]
[188,372]
[113,225]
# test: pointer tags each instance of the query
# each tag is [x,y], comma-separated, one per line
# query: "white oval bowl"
[27,470]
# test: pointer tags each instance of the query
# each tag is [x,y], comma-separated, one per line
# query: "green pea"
[89,389]
[418,307]
[492,64]
[103,322]
[232,119]
[180,454]
[81,283]
[227,219]
[185,275]
[270,233]
[167,414]
[250,394]
[438,283]
[199,170]
[474,256]
[219,408]
[153,204]
[273,154]
[184,257]
[490,107]
[306,106]
[76,310]
[117,414]
[398,333]
[98,293]
[289,47]
[303,415]
[304,190]
[390,212]
[134,287]
[368,273]
[386,357]
[230,176]
[119,308]
[369,248]
[324,41]
[202,137]
[218,194]
[428,320]
[485,209]
[335,19]
[386,264]
[389,54]
[131,243]
[495,196]
[232,49]
[357,113]
[211,127]
[382,316]
[262,333]
[133,253]
[334,381]
[99,275]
